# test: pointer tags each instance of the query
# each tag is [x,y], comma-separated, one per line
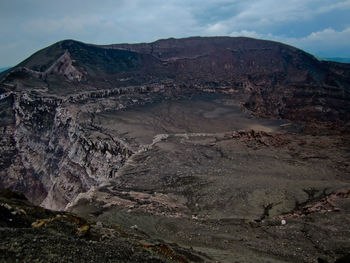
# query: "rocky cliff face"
[53,147]
[277,80]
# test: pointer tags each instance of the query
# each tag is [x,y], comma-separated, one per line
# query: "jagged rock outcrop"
[52,148]
[64,66]
[53,154]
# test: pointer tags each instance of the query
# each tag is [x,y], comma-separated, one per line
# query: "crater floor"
[210,176]
[208,113]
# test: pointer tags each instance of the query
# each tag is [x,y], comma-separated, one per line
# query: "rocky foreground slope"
[33,234]
[169,136]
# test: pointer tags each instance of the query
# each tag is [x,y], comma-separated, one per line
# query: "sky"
[320,27]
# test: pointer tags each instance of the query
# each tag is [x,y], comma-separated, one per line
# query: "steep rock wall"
[51,148]
[49,157]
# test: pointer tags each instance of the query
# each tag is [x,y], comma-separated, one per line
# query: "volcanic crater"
[235,148]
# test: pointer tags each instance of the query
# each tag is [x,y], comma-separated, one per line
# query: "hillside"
[274,79]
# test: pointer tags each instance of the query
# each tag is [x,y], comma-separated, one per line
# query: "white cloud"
[217,29]
[333,5]
[260,15]
[327,42]
[246,33]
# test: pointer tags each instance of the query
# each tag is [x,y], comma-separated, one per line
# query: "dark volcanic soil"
[207,113]
[33,234]
[202,182]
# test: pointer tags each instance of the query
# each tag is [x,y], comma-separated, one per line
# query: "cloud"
[267,15]
[336,5]
[65,24]
[246,33]
[217,29]
[327,42]
[34,24]
[132,21]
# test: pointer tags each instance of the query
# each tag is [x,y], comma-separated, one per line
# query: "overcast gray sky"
[321,27]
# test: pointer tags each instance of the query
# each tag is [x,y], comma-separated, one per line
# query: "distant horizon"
[5,68]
